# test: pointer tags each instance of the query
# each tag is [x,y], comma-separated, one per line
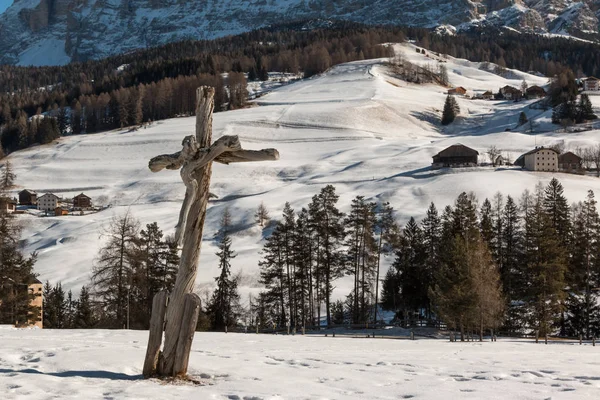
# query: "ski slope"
[356,127]
[96,364]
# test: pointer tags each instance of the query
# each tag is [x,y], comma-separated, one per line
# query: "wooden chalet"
[461,91]
[511,93]
[27,198]
[82,201]
[535,92]
[569,162]
[8,205]
[457,155]
[487,95]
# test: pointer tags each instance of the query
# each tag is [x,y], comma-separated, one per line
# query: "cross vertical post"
[195,161]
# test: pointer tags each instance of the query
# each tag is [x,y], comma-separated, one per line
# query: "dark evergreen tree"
[451,110]
[223,309]
[84,313]
[272,275]
[585,110]
[583,314]
[523,118]
[330,231]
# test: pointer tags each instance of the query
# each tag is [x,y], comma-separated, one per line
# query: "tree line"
[520,267]
[517,266]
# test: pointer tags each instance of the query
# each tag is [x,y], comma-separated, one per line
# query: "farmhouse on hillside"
[569,162]
[591,84]
[510,93]
[539,159]
[457,155]
[35,290]
[27,198]
[487,95]
[535,92]
[461,91]
[47,202]
[81,201]
[7,205]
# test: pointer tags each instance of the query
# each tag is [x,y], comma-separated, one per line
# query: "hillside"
[356,127]
[54,32]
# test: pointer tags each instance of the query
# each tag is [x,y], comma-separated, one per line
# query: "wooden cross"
[180,315]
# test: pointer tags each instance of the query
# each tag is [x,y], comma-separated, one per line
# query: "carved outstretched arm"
[225,150]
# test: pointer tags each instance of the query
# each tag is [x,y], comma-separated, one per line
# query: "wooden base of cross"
[177,314]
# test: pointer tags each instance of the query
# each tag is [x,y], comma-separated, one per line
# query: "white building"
[539,159]
[47,202]
[591,84]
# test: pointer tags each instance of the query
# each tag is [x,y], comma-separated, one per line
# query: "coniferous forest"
[517,266]
[158,83]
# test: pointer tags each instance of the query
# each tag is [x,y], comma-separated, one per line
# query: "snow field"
[97,364]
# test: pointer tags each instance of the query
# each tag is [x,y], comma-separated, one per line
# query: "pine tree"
[451,110]
[303,262]
[512,273]
[330,231]
[523,118]
[389,237]
[432,237]
[84,314]
[390,291]
[7,179]
[546,265]
[62,120]
[360,223]
[585,110]
[262,215]
[224,305]
[272,275]
[410,264]
[112,272]
[288,227]
[583,312]
[486,223]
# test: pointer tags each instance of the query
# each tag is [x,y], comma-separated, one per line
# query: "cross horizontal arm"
[225,150]
[248,156]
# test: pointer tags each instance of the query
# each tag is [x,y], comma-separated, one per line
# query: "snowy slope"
[355,127]
[94,364]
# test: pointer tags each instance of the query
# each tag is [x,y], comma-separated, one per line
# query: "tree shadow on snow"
[114,376]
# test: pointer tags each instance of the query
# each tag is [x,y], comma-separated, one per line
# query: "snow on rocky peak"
[54,32]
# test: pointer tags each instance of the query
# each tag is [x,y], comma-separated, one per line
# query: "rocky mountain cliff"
[54,32]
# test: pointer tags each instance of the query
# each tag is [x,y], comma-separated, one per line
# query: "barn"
[457,155]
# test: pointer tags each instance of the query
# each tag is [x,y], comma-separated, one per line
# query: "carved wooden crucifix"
[182,306]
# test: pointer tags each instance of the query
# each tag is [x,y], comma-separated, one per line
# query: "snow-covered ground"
[355,127]
[97,364]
